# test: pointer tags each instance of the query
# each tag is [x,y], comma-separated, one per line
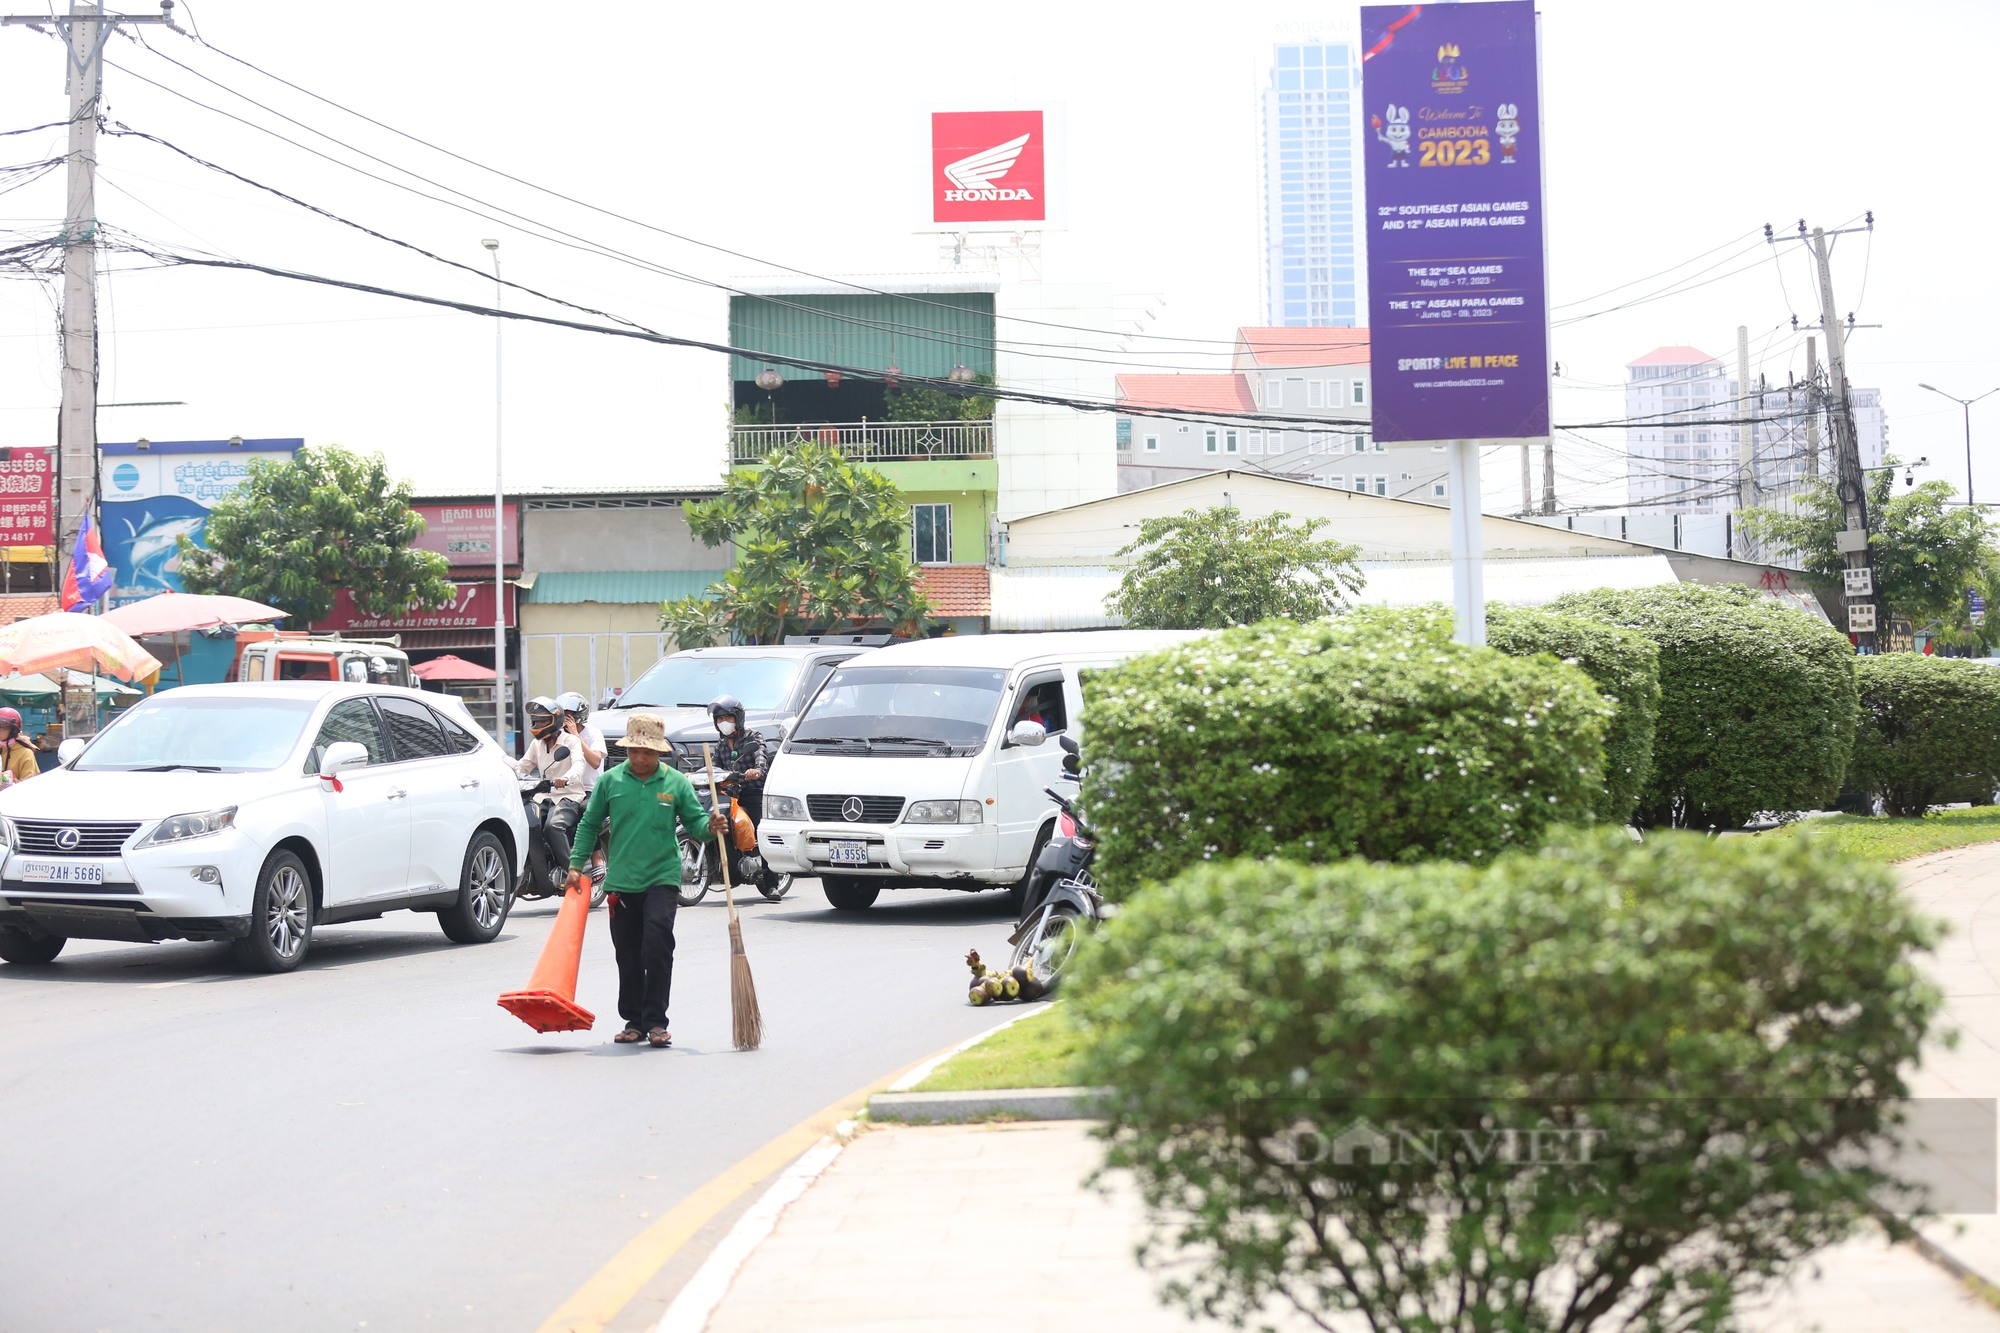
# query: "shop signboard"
[155,492]
[28,497]
[1458,306]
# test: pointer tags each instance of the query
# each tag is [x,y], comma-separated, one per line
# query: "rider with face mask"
[562,724]
[741,751]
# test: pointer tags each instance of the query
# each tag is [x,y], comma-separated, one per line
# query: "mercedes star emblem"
[850,809]
[68,839]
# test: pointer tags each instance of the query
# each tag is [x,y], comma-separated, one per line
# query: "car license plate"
[63,872]
[849,853]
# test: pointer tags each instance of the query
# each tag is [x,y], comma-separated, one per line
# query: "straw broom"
[746,1021]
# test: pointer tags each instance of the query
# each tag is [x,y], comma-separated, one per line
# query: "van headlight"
[943,812]
[179,828]
[784,807]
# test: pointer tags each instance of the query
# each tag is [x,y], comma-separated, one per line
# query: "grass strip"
[1890,840]
[1037,1053]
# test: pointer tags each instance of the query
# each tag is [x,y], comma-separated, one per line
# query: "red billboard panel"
[988,166]
[463,533]
[472,609]
[28,497]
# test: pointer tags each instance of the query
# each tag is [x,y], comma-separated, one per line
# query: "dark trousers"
[561,825]
[642,937]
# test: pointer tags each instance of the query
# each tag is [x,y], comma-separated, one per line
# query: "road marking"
[609,1290]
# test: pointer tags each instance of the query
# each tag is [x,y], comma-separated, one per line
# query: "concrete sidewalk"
[949,1226]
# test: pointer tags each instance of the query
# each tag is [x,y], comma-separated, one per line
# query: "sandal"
[628,1036]
[660,1037]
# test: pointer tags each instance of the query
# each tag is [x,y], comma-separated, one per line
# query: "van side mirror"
[71,748]
[1027,733]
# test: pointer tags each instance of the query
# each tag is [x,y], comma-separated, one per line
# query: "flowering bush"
[1450,1096]
[1757,701]
[1317,741]
[1622,663]
[1929,733]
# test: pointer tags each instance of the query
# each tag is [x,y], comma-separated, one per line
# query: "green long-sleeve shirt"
[645,848]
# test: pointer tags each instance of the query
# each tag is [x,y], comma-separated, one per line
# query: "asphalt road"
[371,1142]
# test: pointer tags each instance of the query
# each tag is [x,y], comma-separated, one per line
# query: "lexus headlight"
[179,828]
[7,833]
[784,807]
[943,812]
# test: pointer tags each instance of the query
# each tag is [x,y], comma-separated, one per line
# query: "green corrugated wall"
[923,335]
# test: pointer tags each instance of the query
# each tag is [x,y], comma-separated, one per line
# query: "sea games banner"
[1457,298]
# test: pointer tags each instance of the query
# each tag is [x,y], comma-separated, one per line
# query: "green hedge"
[1757,702]
[1725,1013]
[1929,733]
[1317,741]
[1622,663]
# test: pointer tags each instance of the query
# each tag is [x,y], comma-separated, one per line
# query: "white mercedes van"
[922,765]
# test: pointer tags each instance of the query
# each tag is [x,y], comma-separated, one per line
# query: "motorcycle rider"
[17,754]
[740,751]
[556,724]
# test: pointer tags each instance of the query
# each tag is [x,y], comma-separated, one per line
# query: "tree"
[819,547]
[1213,568]
[296,532]
[1928,550]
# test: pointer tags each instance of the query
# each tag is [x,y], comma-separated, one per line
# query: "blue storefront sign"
[155,494]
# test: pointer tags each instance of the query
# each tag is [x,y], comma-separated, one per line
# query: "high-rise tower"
[1311,114]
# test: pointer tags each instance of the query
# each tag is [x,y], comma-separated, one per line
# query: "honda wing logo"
[974,175]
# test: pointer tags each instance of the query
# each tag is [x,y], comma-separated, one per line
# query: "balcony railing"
[868,441]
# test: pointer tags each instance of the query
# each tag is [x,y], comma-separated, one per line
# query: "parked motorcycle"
[547,874]
[698,867]
[1062,898]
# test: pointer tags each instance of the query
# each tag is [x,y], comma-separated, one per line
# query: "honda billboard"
[992,170]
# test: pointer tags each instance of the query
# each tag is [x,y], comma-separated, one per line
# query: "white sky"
[788,131]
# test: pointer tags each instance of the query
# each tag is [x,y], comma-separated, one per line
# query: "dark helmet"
[544,718]
[575,705]
[726,705]
[10,719]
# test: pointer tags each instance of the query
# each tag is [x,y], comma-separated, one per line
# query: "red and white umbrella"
[450,667]
[176,612]
[78,642]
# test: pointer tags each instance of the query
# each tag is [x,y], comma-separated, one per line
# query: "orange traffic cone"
[549,1003]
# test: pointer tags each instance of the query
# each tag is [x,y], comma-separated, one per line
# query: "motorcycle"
[547,874]
[1062,897]
[698,860]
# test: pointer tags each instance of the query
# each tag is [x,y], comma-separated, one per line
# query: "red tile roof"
[1673,356]
[957,590]
[21,605]
[1307,346]
[1186,393]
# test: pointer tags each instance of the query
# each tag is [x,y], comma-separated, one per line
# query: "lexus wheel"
[20,944]
[281,916]
[483,900]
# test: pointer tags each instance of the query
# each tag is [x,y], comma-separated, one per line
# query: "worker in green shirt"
[647,803]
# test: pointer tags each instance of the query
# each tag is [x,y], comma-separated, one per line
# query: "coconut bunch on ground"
[992,987]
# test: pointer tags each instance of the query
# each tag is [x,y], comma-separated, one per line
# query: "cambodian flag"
[80,594]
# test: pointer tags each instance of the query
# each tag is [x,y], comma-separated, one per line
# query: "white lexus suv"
[255,812]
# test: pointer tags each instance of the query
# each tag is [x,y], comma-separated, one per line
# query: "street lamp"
[1965,403]
[499,536]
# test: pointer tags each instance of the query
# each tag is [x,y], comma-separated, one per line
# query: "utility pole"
[1812,407]
[1527,479]
[1549,475]
[84,31]
[1863,606]
[1746,441]
[501,714]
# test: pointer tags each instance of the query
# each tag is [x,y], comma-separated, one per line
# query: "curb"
[1948,1261]
[1024,1103]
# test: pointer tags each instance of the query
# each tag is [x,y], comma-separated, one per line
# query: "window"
[1440,490]
[1338,483]
[1380,447]
[1274,392]
[930,534]
[1254,442]
[1381,485]
[816,678]
[1277,439]
[1229,442]
[1358,390]
[1295,392]
[1316,393]
[1152,444]
[1208,441]
[413,728]
[1361,483]
[456,738]
[1041,700]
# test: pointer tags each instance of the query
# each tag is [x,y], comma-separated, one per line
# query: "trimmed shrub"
[1317,741]
[1757,702]
[1929,733]
[1622,663]
[1435,1093]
